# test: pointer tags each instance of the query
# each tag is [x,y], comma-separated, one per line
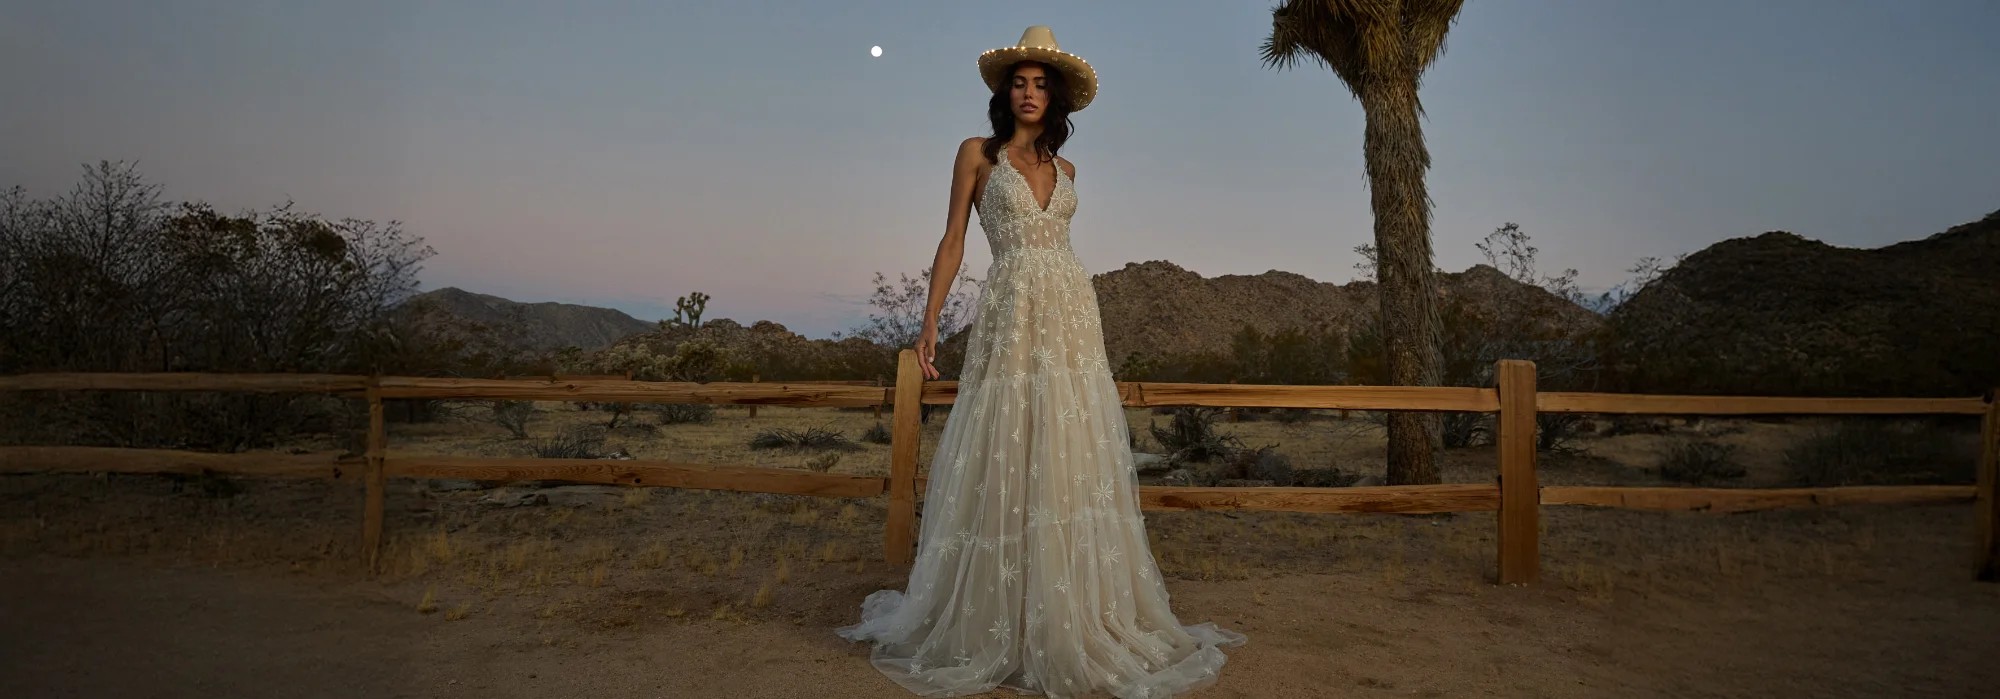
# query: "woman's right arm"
[951,250]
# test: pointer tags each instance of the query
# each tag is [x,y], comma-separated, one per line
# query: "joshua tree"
[1380,49]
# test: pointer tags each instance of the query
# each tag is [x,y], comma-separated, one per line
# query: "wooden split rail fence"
[1516,494]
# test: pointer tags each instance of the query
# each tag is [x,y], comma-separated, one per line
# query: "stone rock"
[1149,463]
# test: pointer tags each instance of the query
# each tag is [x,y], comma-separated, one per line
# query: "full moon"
[875,51]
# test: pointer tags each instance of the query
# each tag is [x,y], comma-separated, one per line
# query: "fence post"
[899,539]
[377,483]
[755,378]
[1987,566]
[1520,489]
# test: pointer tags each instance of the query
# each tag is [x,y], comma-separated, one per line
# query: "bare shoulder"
[1068,167]
[971,148]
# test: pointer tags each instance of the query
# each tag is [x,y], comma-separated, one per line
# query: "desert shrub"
[809,438]
[1462,430]
[1883,452]
[513,415]
[879,434]
[1557,433]
[684,413]
[571,443]
[1329,477]
[1699,462]
[823,462]
[1637,424]
[1191,436]
[1265,464]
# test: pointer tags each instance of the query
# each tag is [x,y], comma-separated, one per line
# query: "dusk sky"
[626,153]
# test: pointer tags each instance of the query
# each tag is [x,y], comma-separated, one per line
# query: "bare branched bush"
[879,434]
[1873,451]
[1700,462]
[111,277]
[1191,437]
[572,443]
[809,438]
[513,416]
[684,413]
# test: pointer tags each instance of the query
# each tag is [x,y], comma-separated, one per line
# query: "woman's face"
[1029,96]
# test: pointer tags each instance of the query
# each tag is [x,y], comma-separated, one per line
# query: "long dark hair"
[1056,126]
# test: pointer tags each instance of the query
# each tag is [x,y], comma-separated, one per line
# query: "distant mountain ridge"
[539,326]
[1159,309]
[1772,314]
[1781,312]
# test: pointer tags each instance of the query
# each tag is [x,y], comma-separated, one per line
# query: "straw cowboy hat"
[1039,44]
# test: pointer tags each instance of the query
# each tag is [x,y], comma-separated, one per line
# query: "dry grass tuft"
[635,497]
[429,603]
[461,611]
[763,597]
[654,556]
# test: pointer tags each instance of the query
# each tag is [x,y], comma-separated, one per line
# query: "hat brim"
[994,67]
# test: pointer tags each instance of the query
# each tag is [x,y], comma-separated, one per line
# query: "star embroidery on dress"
[1111,556]
[917,666]
[1063,587]
[1009,571]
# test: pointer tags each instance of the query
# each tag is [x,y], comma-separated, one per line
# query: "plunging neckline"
[1042,207]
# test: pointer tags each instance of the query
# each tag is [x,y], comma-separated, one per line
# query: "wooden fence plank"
[1619,403]
[185,381]
[33,459]
[769,393]
[1728,500]
[899,536]
[1404,499]
[1520,494]
[1428,398]
[637,472]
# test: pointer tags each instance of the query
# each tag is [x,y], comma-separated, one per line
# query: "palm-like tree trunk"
[1380,48]
[1397,162]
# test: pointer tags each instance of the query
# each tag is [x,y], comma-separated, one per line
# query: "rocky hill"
[1160,309]
[537,326]
[1779,313]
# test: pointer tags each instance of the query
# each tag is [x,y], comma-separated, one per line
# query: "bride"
[1032,571]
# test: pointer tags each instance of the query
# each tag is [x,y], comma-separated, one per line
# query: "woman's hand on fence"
[927,342]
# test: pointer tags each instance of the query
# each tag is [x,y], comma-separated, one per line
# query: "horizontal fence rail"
[1516,496]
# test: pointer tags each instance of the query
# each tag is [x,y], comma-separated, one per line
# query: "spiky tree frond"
[1359,38]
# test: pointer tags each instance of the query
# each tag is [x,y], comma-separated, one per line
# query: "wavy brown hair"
[1056,126]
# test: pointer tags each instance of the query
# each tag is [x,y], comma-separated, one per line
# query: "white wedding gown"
[1033,571]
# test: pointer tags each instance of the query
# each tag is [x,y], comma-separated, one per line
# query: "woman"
[1033,570]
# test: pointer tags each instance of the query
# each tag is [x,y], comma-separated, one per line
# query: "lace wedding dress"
[1033,570]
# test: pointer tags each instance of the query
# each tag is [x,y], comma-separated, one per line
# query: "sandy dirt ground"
[143,586]
[1396,612]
